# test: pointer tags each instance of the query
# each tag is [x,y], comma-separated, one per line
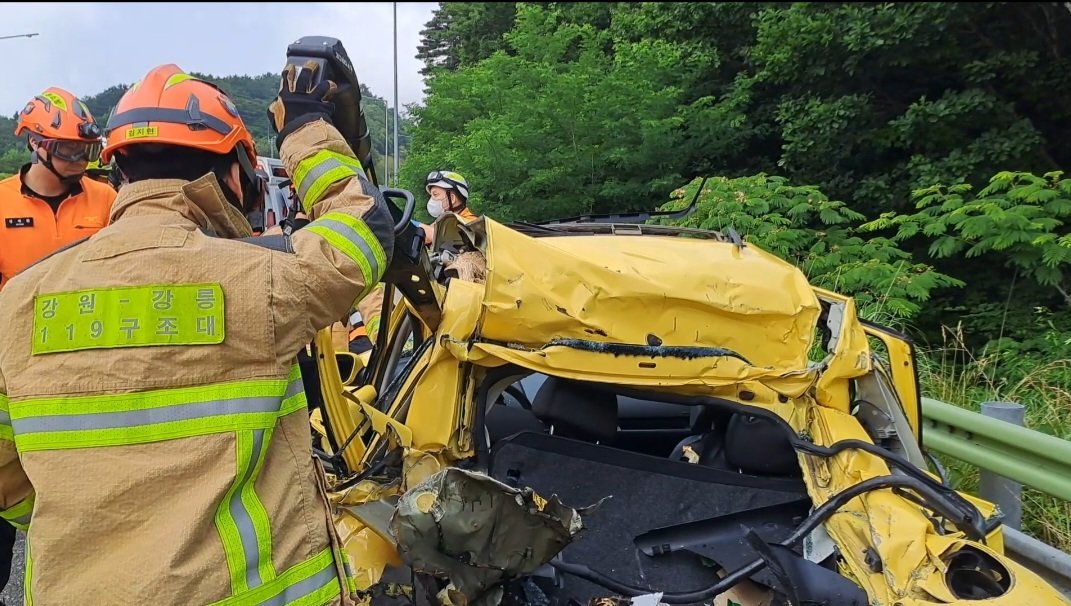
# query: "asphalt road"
[12,594]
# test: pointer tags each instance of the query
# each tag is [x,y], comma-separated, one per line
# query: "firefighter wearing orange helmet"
[51,202]
[156,434]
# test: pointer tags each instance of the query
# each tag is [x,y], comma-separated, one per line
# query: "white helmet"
[447,180]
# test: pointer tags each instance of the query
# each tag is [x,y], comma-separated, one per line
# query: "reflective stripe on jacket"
[371,307]
[153,424]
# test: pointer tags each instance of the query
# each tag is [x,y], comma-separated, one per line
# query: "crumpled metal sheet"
[898,531]
[478,532]
[664,290]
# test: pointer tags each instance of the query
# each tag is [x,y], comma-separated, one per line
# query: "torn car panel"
[685,292]
[673,380]
[478,533]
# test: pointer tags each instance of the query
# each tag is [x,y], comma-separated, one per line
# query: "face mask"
[435,208]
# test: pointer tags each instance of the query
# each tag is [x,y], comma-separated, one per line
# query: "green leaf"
[944,247]
[830,216]
[1048,276]
[907,230]
[934,228]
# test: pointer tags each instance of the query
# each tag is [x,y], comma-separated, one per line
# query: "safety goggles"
[446,180]
[439,175]
[72,151]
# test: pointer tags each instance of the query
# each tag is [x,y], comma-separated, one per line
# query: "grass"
[1042,383]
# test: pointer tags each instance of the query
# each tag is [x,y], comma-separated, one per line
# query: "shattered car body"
[591,413]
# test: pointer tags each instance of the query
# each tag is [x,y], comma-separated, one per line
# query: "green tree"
[463,33]
[435,43]
[558,126]
[13,159]
[820,236]
[868,102]
[1020,220]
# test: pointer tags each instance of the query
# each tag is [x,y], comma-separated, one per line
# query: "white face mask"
[435,208]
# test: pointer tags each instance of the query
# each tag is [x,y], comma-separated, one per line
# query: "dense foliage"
[906,153]
[558,109]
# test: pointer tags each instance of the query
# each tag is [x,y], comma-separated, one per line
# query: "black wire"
[961,512]
[817,517]
[374,469]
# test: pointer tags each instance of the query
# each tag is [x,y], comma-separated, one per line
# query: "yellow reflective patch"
[133,316]
[56,100]
[173,80]
[142,132]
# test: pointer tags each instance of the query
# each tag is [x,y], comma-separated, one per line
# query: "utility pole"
[395,93]
[386,142]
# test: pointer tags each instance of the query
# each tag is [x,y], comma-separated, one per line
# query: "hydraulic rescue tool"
[409,268]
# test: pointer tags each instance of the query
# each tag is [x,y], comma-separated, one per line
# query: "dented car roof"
[683,310]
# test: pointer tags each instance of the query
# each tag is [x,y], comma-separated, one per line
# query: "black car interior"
[593,444]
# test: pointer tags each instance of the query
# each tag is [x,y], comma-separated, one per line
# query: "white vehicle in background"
[277,199]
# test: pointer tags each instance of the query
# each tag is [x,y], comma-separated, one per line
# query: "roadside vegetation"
[909,154]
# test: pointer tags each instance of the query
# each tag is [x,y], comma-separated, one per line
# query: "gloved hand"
[298,102]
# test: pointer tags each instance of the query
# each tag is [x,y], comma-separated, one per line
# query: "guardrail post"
[999,489]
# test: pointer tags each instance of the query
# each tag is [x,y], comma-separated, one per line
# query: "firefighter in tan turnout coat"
[153,426]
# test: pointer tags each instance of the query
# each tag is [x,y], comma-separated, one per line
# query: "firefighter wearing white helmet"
[449,192]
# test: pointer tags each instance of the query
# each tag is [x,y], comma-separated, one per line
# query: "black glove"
[298,102]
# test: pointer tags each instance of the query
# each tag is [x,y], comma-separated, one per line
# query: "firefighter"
[48,204]
[51,202]
[157,432]
[447,191]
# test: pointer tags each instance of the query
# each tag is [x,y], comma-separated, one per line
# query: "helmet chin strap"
[453,197]
[252,186]
[68,180]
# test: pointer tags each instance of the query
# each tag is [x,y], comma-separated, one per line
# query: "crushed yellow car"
[617,413]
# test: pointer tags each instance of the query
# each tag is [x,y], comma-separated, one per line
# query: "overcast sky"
[86,48]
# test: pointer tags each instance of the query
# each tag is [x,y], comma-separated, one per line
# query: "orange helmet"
[57,114]
[171,107]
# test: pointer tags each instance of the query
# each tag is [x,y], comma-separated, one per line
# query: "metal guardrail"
[1052,564]
[1029,457]
[1008,456]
